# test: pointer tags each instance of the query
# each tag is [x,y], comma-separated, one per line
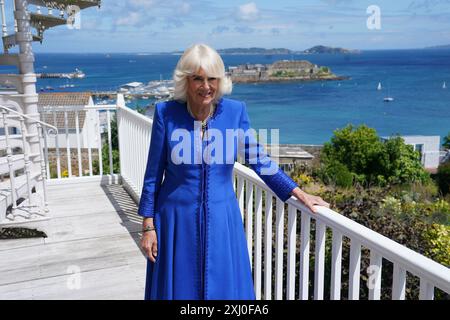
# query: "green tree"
[372,161]
[403,165]
[360,150]
[446,143]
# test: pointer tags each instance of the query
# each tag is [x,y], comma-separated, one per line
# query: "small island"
[278,51]
[329,50]
[285,70]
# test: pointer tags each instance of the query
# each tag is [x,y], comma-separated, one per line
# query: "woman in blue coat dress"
[193,233]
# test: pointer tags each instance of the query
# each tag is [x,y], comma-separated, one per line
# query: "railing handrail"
[32,119]
[437,274]
[135,114]
[101,107]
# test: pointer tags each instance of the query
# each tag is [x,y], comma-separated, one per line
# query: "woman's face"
[202,89]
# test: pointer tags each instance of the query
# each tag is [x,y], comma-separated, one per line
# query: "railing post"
[279,250]
[336,265]
[77,133]
[399,283]
[426,290]
[43,168]
[99,137]
[374,281]
[58,155]
[240,195]
[108,120]
[292,234]
[319,267]
[121,134]
[10,164]
[69,160]
[355,270]
[249,218]
[268,247]
[26,157]
[258,242]
[304,256]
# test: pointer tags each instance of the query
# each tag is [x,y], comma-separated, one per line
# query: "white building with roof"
[428,147]
[69,113]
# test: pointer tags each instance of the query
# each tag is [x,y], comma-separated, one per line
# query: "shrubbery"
[370,160]
[443,178]
[383,186]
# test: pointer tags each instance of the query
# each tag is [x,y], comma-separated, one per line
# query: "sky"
[174,25]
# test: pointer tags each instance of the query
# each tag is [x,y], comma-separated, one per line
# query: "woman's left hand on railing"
[309,200]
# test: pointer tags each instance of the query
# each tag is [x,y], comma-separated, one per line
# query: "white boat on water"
[388,98]
[379,86]
[78,74]
[444,85]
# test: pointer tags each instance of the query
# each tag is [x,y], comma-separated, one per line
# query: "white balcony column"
[2,8]
[26,70]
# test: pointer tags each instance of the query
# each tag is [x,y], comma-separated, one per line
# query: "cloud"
[172,22]
[428,5]
[132,19]
[184,8]
[244,29]
[337,2]
[142,4]
[220,29]
[248,12]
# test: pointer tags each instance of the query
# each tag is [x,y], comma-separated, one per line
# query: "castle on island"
[284,70]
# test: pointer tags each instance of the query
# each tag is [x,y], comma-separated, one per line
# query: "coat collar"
[219,109]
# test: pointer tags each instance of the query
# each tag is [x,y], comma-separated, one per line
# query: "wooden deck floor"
[92,250]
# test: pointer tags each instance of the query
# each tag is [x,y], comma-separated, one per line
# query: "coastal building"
[130,86]
[290,155]
[67,111]
[285,70]
[297,67]
[427,146]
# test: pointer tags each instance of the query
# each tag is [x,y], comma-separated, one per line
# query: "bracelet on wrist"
[148,228]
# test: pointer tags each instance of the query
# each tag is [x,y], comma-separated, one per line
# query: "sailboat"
[379,86]
[444,86]
[388,98]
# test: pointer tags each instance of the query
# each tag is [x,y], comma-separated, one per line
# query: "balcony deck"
[94,230]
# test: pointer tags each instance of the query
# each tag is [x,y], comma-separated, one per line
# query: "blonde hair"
[196,57]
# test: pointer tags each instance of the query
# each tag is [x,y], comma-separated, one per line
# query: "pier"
[77,74]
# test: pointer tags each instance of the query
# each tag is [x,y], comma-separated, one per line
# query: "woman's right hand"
[149,244]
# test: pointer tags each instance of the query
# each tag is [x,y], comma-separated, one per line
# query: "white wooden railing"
[257,203]
[134,130]
[83,142]
[134,136]
[17,186]
[432,275]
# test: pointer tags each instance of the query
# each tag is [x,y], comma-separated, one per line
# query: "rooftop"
[58,99]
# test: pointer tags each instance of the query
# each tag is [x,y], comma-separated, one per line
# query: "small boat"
[379,86]
[78,74]
[388,99]
[444,85]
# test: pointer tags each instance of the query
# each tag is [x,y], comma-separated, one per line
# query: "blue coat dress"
[202,249]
